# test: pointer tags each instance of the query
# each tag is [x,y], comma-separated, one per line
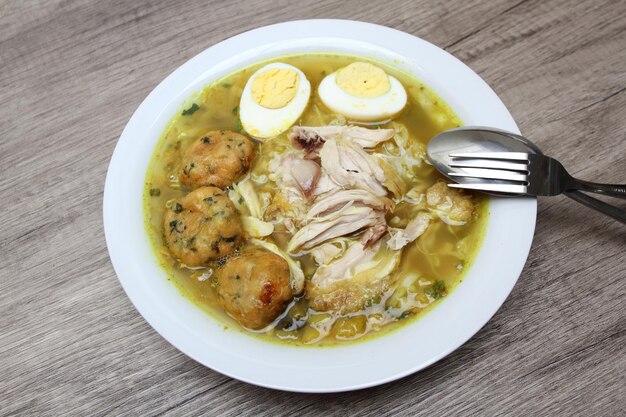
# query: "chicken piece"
[356,198]
[349,283]
[255,227]
[366,138]
[416,227]
[217,158]
[325,185]
[351,167]
[311,139]
[415,198]
[339,223]
[286,210]
[308,140]
[291,170]
[374,233]
[341,197]
[452,206]
[306,173]
[328,251]
[254,288]
[404,155]
[202,226]
[295,179]
[245,190]
[392,180]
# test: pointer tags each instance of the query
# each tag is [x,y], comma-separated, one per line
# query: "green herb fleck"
[226,85]
[238,125]
[235,110]
[437,290]
[177,208]
[188,168]
[176,226]
[191,110]
[209,200]
[241,200]
[155,192]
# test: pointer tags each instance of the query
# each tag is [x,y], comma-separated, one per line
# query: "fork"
[520,173]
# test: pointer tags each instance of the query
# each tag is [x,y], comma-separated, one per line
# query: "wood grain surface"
[71,343]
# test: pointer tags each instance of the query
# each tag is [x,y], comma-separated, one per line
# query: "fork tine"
[516,156]
[488,164]
[496,188]
[492,174]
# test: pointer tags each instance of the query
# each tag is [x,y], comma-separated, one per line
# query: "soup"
[292,200]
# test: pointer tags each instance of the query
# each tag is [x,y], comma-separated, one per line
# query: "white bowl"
[411,348]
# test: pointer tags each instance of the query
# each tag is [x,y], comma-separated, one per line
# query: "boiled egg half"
[363,92]
[273,99]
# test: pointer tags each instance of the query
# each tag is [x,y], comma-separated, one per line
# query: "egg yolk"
[362,79]
[275,88]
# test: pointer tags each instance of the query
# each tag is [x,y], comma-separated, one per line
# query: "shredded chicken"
[311,139]
[292,170]
[415,198]
[391,180]
[374,233]
[245,189]
[340,198]
[328,251]
[255,227]
[352,281]
[324,185]
[402,153]
[399,238]
[356,254]
[295,179]
[351,167]
[306,173]
[339,223]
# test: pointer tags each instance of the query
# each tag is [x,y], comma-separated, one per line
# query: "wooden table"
[71,343]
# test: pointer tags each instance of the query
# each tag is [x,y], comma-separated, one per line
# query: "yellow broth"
[430,267]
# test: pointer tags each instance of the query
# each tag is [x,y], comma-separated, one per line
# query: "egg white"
[366,109]
[263,123]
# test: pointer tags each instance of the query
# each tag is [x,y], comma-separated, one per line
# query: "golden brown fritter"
[217,158]
[457,205]
[254,288]
[202,226]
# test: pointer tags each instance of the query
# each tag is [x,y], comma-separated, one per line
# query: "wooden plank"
[71,75]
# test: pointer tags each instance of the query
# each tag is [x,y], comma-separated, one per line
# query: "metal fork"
[520,173]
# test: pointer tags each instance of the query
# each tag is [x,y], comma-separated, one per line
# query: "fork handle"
[613,190]
[611,211]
